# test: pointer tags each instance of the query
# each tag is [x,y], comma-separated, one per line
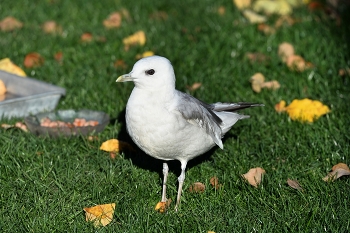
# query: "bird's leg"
[181,179]
[165,177]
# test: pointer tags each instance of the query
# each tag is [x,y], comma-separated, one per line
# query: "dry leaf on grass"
[304,110]
[254,176]
[86,37]
[114,20]
[115,146]
[162,207]
[194,86]
[51,27]
[257,57]
[197,187]
[120,64]
[32,60]
[221,10]
[266,29]
[9,24]
[343,72]
[294,184]
[285,50]
[258,82]
[7,65]
[273,85]
[100,215]
[58,57]
[338,170]
[138,38]
[242,4]
[254,17]
[214,181]
[272,7]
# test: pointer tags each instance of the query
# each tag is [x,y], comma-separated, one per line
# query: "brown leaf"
[214,181]
[257,80]
[285,50]
[338,170]
[343,72]
[32,60]
[284,19]
[114,20]
[197,187]
[58,56]
[194,86]
[294,184]
[221,10]
[273,85]
[9,24]
[254,176]
[266,29]
[86,37]
[257,57]
[296,63]
[120,64]
[51,27]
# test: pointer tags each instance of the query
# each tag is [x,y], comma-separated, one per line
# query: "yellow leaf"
[254,17]
[7,65]
[242,4]
[162,206]
[273,85]
[100,215]
[257,80]
[280,7]
[281,106]
[138,37]
[114,145]
[254,176]
[145,54]
[306,110]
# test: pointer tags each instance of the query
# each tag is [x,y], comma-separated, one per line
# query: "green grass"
[45,183]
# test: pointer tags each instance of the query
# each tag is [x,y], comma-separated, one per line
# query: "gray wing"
[194,110]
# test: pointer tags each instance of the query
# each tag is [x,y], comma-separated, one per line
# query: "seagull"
[168,124]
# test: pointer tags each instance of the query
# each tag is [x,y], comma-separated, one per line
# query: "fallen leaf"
[86,37]
[266,29]
[163,206]
[197,187]
[284,19]
[306,110]
[211,231]
[120,64]
[294,184]
[194,86]
[51,27]
[100,215]
[114,145]
[254,17]
[338,170]
[125,14]
[273,85]
[281,106]
[32,60]
[272,7]
[58,56]
[2,88]
[257,57]
[114,20]
[214,181]
[242,4]
[9,24]
[343,72]
[285,50]
[145,54]
[221,10]
[138,38]
[257,80]
[296,62]
[7,65]
[254,176]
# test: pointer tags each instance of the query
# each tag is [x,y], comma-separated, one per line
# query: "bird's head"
[153,72]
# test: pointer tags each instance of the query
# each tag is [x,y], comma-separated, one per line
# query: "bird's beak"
[125,78]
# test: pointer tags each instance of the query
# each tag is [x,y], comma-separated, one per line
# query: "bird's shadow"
[144,161]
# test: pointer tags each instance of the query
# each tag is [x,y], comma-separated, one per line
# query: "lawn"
[45,183]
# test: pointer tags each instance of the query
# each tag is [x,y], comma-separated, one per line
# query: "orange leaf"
[214,181]
[114,145]
[7,65]
[58,56]
[197,187]
[32,60]
[86,37]
[163,206]
[281,106]
[120,64]
[254,176]
[285,50]
[10,24]
[338,170]
[114,20]
[100,215]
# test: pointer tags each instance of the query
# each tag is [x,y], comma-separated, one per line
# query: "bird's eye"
[150,72]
